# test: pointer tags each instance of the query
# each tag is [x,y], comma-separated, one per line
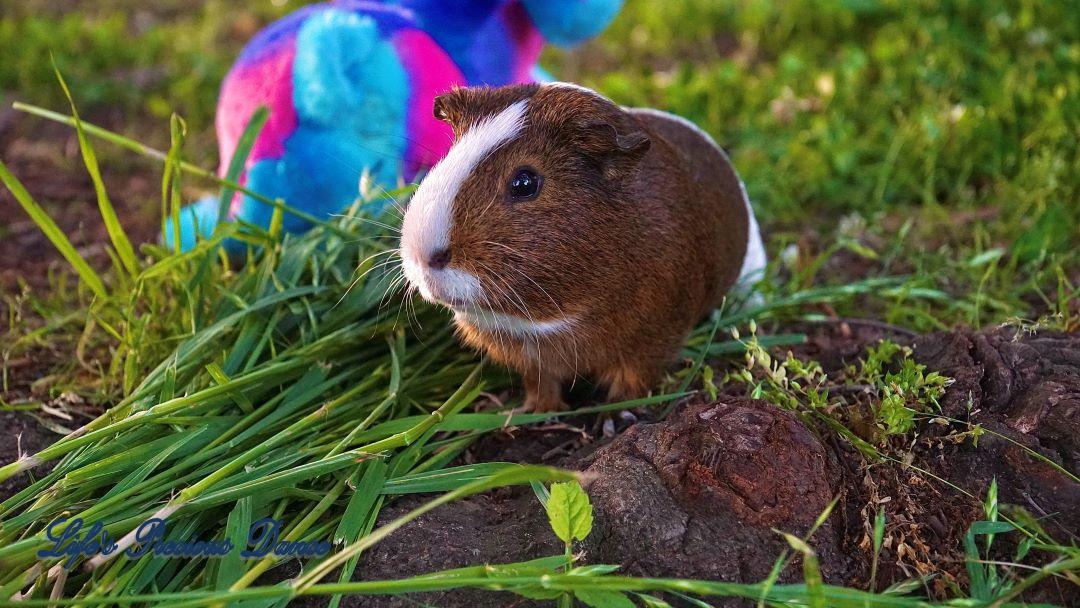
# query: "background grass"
[932,139]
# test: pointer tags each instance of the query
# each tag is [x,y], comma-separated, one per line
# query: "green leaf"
[904,587]
[897,417]
[651,601]
[363,499]
[220,377]
[879,529]
[231,567]
[443,480]
[991,527]
[144,470]
[569,511]
[600,598]
[859,249]
[170,195]
[976,574]
[541,492]
[692,601]
[987,257]
[815,589]
[1023,548]
[797,543]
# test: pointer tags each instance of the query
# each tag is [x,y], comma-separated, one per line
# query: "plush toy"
[350,85]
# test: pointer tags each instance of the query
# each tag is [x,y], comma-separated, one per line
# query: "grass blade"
[231,566]
[59,240]
[187,167]
[116,232]
[239,159]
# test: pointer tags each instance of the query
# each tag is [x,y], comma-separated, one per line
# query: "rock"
[699,495]
[1027,393]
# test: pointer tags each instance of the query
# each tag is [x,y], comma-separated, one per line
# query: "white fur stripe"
[755,260]
[428,220]
[503,324]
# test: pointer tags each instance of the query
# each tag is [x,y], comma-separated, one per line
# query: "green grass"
[940,137]
[876,137]
[912,164]
[144,62]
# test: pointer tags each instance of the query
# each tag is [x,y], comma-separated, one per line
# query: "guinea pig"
[574,237]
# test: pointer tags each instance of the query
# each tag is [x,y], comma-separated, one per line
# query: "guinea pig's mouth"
[462,293]
[447,286]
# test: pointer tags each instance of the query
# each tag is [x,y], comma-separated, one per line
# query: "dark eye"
[525,185]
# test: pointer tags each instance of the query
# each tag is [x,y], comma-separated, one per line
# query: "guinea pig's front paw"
[627,382]
[542,394]
[540,403]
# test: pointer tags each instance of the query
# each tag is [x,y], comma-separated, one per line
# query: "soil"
[701,493]
[21,435]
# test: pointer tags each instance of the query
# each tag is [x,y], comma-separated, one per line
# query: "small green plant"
[903,393]
[790,382]
[996,581]
[570,515]
[879,536]
[898,387]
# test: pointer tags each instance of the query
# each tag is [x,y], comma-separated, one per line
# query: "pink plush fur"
[528,39]
[267,81]
[431,72]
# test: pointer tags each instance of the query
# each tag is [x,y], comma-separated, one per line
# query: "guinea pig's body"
[574,237]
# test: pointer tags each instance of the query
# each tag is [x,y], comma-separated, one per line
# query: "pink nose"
[439,259]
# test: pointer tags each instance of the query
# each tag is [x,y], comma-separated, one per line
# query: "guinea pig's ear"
[439,109]
[446,109]
[619,153]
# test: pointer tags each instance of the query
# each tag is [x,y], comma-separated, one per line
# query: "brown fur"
[638,231]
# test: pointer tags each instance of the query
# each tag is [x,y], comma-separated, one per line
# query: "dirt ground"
[701,493]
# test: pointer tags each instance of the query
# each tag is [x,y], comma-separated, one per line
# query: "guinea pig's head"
[523,226]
